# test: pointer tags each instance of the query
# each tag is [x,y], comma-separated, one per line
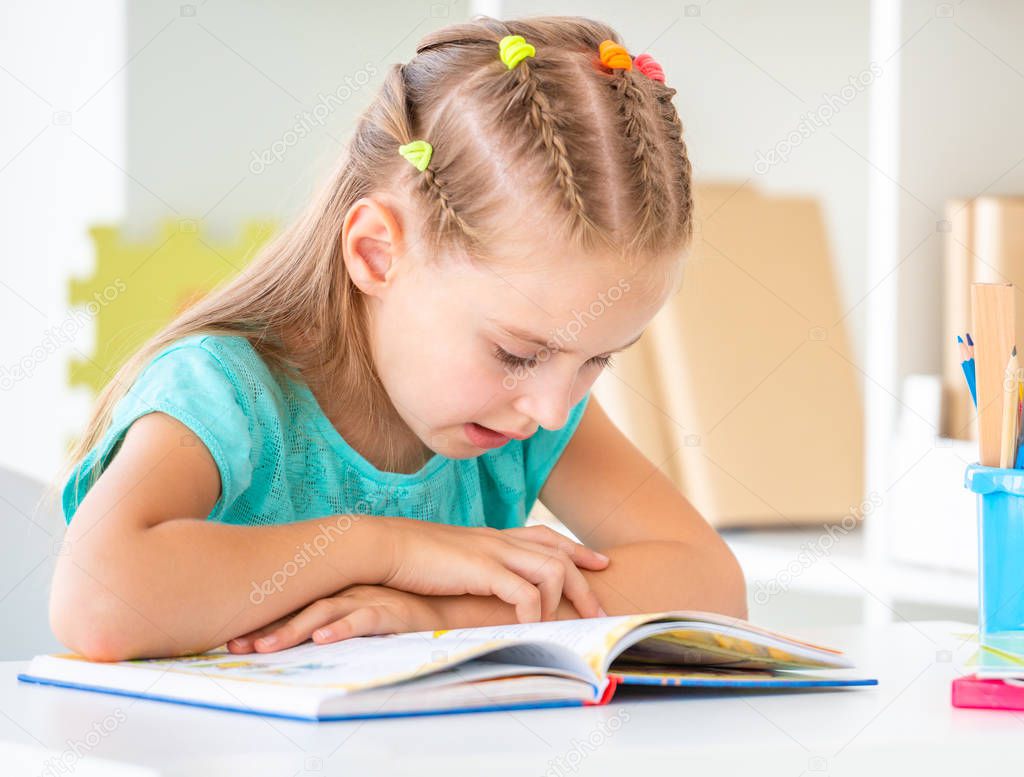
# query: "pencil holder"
[1000,548]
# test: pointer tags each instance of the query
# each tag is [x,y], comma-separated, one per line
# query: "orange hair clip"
[645,64]
[614,55]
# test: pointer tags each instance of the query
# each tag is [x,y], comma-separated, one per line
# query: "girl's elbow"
[90,636]
[97,629]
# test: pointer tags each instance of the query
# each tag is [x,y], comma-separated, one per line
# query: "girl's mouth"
[483,437]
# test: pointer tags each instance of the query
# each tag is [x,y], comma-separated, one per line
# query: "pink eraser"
[970,691]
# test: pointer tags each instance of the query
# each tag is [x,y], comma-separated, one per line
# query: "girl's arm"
[642,577]
[142,576]
[664,555]
[139,578]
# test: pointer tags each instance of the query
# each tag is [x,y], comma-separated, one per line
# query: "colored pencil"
[1011,404]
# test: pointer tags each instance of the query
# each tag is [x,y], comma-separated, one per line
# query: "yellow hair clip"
[513,49]
[418,153]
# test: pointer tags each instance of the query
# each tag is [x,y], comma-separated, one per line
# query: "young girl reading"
[347,437]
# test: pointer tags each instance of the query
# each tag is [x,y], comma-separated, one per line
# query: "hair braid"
[638,129]
[544,120]
[451,227]
[674,130]
[450,223]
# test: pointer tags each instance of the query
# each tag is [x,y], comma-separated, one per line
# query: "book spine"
[606,696]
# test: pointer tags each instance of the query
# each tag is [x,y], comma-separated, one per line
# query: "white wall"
[962,103]
[61,169]
[231,79]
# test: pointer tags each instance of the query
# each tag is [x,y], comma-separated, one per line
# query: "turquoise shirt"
[281,459]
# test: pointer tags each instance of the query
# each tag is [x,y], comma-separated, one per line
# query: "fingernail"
[601,612]
[268,641]
[601,556]
[322,633]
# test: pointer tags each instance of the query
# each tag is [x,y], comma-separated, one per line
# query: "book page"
[340,667]
[591,639]
[365,662]
[707,644]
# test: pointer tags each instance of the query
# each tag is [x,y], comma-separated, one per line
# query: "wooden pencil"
[994,319]
[1011,392]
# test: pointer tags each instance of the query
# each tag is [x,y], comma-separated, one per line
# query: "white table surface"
[905,723]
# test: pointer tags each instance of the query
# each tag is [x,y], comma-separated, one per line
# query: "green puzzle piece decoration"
[138,287]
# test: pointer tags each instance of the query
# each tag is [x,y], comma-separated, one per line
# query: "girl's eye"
[511,359]
[520,361]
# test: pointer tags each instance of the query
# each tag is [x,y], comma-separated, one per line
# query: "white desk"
[906,722]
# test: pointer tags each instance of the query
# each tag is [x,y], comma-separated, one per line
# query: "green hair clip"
[513,49]
[418,153]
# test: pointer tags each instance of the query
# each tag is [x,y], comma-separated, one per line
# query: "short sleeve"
[542,451]
[189,383]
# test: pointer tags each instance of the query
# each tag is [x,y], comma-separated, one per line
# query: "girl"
[346,438]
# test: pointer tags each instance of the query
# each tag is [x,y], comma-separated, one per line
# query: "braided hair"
[590,139]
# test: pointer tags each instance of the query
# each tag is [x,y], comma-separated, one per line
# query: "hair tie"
[418,152]
[513,49]
[614,55]
[645,64]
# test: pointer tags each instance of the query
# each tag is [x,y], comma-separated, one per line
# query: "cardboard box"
[752,370]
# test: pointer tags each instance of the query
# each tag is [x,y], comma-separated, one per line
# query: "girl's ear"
[372,241]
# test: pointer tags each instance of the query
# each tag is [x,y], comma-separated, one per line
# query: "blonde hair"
[601,150]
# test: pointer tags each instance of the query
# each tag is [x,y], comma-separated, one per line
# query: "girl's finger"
[303,624]
[548,575]
[552,570]
[536,566]
[365,621]
[500,581]
[581,555]
[577,590]
[243,643]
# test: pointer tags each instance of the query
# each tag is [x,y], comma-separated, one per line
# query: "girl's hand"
[530,568]
[358,611]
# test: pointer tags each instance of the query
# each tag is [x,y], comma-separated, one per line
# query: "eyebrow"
[522,334]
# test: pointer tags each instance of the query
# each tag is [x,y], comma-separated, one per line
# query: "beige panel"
[755,368]
[998,247]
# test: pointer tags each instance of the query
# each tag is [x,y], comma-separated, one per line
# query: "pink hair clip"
[645,64]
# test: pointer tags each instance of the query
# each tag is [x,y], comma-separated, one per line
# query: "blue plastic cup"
[1000,550]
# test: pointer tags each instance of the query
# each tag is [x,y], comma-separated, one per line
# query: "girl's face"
[472,355]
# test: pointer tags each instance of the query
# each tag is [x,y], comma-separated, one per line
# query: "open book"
[557,663]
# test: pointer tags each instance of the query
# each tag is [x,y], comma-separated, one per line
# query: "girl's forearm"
[186,585]
[642,577]
[665,575]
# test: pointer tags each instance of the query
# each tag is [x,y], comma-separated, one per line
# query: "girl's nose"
[547,404]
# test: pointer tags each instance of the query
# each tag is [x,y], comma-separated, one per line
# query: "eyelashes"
[511,360]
